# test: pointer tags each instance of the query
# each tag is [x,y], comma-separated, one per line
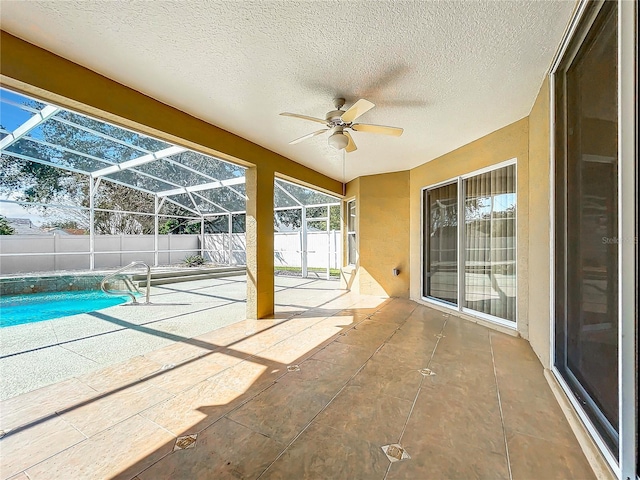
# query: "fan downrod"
[334,117]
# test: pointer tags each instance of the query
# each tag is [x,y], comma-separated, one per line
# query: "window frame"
[623,462]
[459,180]
[351,233]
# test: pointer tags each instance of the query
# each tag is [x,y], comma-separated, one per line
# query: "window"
[351,232]
[481,277]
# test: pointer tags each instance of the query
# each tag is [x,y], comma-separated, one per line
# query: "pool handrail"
[134,301]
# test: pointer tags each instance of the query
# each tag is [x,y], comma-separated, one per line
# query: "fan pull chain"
[344,175]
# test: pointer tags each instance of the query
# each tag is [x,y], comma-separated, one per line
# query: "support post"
[93,184]
[230,237]
[156,227]
[260,272]
[304,241]
[202,236]
[328,242]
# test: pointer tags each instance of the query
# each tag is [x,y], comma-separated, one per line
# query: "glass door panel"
[587,224]
[490,243]
[441,243]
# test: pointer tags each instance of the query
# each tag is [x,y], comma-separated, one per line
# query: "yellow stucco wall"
[507,143]
[540,226]
[382,204]
[384,230]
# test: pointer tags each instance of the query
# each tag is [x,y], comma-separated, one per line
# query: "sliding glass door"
[490,243]
[595,256]
[441,246]
[486,203]
[587,224]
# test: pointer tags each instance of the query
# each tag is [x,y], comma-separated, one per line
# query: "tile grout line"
[198,432]
[269,386]
[415,400]
[504,431]
[313,325]
[86,439]
[330,401]
[317,414]
[139,414]
[144,379]
[238,406]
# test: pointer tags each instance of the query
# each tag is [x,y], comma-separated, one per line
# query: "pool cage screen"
[107,195]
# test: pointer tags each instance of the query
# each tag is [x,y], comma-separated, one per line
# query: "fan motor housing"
[335,117]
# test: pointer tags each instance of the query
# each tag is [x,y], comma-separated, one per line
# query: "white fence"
[48,253]
[323,248]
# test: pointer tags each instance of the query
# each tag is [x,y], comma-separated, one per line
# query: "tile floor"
[360,384]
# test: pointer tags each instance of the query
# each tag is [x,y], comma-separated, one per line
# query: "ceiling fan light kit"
[338,140]
[336,121]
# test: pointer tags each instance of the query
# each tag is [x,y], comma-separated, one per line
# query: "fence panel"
[48,253]
[61,252]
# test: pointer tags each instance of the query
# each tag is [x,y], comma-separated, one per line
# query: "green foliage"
[5,228]
[179,226]
[71,224]
[168,227]
[194,260]
[333,272]
[293,218]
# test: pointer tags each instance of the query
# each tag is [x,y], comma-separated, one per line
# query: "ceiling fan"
[338,121]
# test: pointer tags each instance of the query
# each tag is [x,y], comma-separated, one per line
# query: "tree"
[293,218]
[179,226]
[5,228]
[70,224]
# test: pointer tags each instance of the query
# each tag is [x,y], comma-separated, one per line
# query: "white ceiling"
[447,72]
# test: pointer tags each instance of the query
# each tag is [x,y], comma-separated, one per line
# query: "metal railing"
[128,283]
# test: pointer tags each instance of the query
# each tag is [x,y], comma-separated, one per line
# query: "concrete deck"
[315,392]
[38,354]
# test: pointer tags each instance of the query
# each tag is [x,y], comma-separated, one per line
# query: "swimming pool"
[36,307]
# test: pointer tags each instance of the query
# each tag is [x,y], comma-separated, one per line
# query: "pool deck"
[316,391]
[37,354]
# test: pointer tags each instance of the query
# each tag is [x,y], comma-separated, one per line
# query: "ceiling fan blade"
[304,117]
[309,135]
[351,146]
[357,109]
[365,127]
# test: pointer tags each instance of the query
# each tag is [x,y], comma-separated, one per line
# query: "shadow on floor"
[317,394]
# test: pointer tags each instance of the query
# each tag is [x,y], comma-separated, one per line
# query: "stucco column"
[260,281]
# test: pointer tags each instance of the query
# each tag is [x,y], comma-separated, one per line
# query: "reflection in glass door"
[487,204]
[441,243]
[587,267]
[490,243]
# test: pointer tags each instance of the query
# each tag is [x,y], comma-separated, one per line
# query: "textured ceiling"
[447,72]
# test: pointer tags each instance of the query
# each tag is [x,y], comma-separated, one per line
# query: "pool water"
[36,307]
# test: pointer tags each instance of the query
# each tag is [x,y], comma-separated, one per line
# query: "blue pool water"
[36,307]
